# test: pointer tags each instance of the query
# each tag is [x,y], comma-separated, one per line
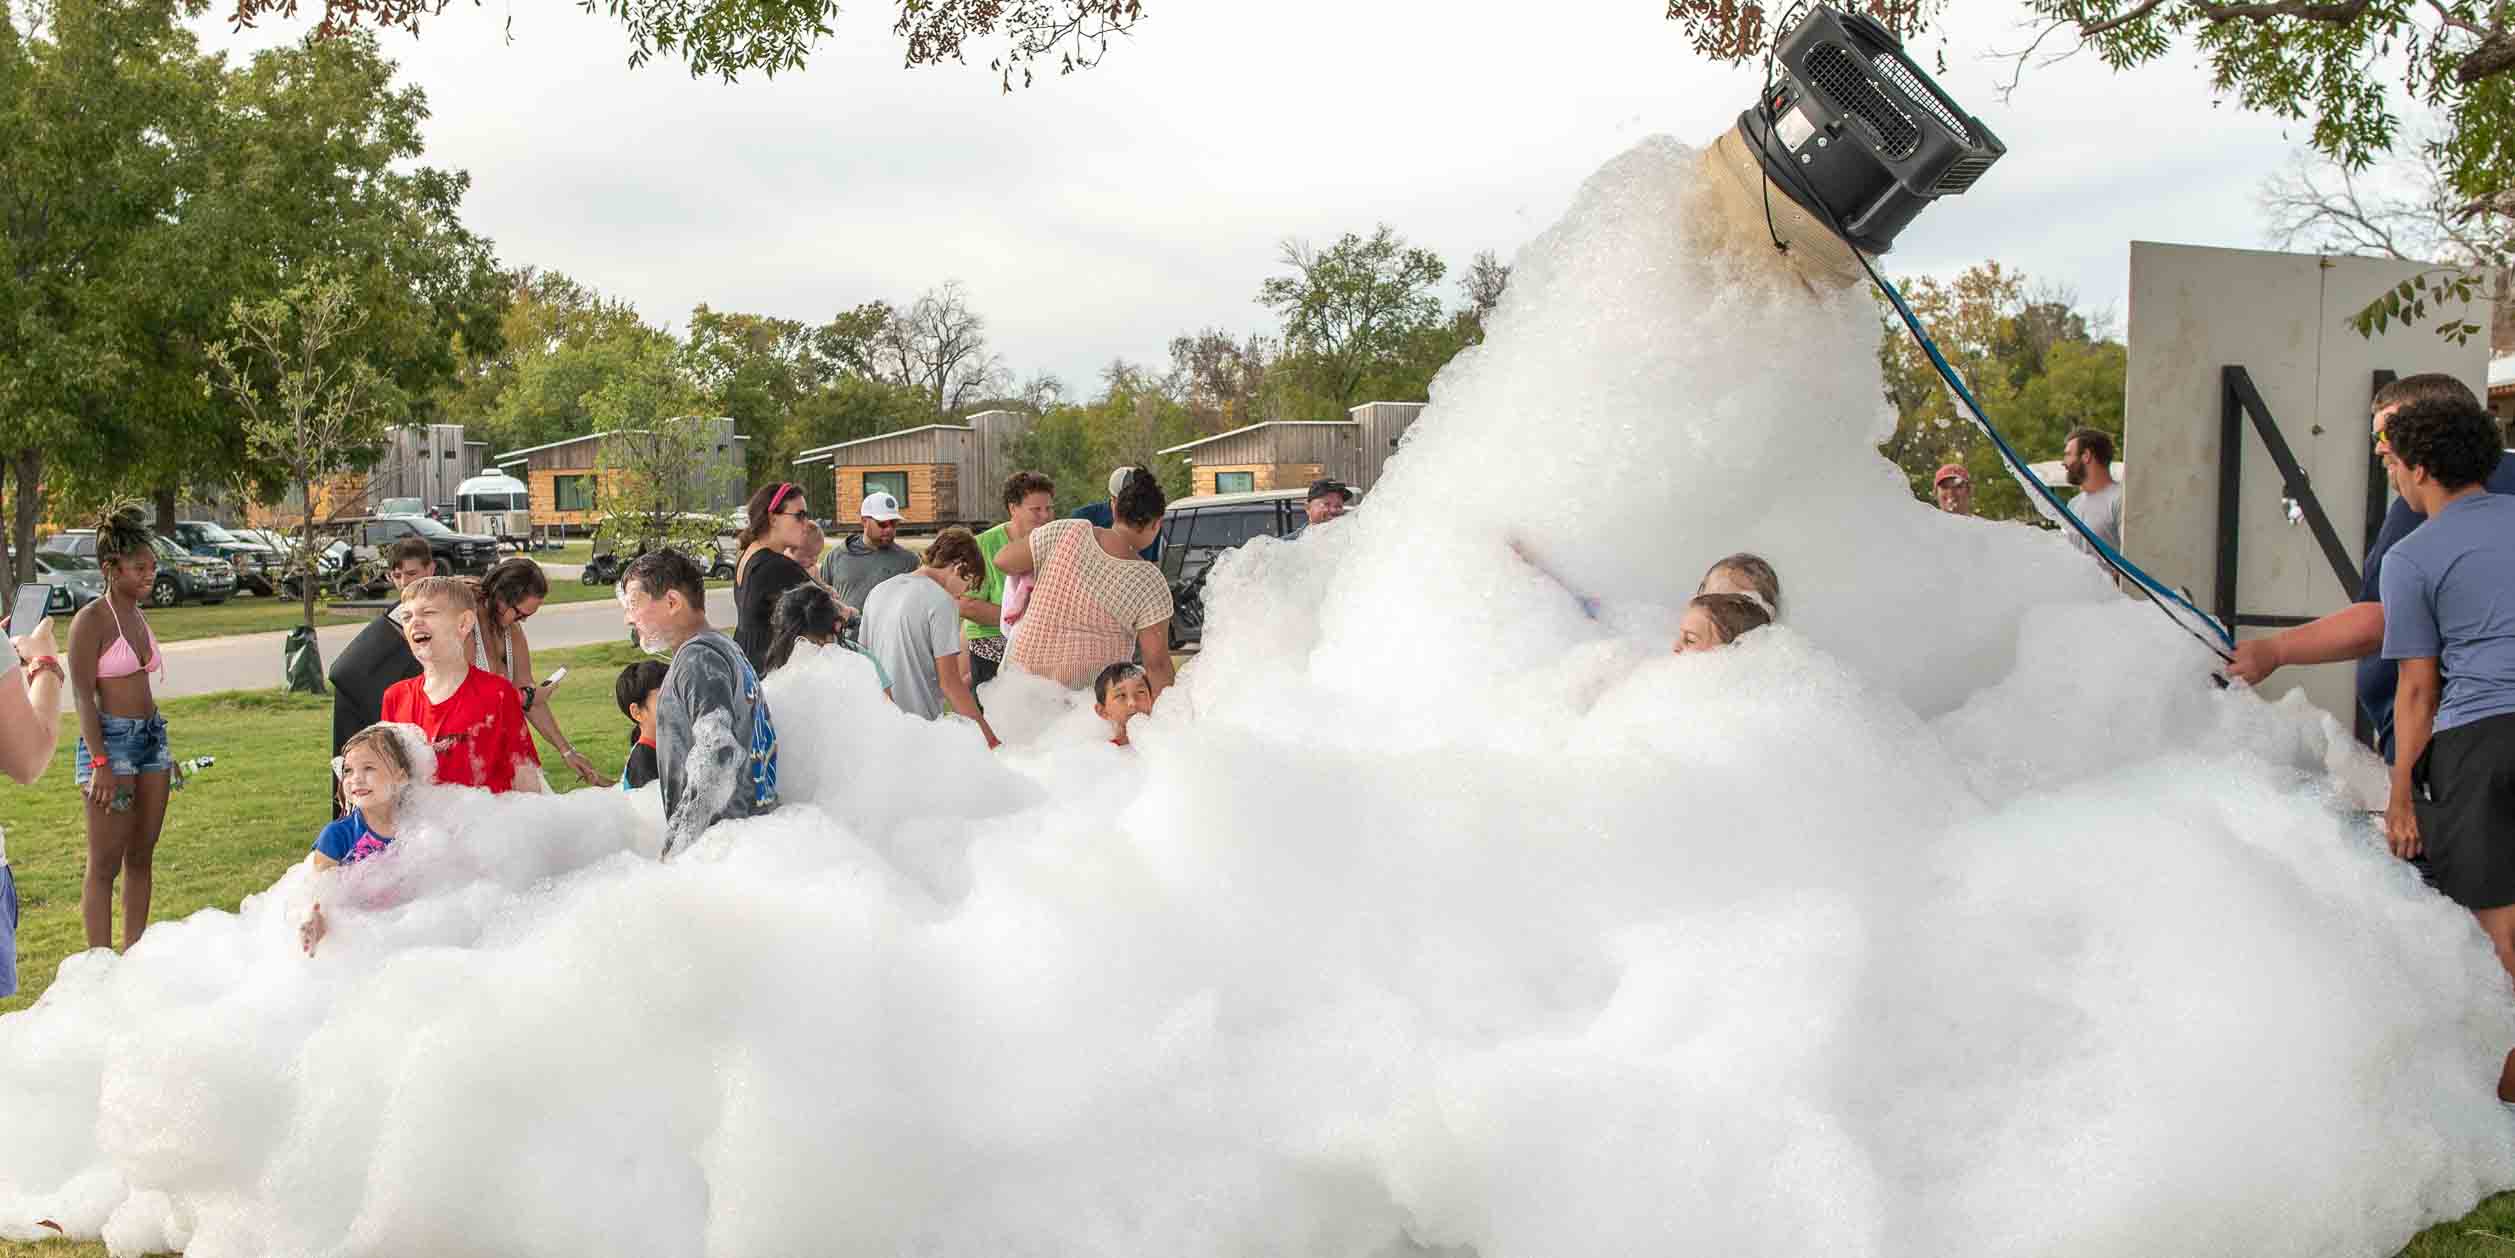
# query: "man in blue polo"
[2357,631]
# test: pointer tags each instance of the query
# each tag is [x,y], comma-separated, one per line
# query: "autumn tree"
[2039,364]
[937,346]
[1220,378]
[658,476]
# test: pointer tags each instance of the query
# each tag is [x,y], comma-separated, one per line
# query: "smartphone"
[32,598]
[554,678]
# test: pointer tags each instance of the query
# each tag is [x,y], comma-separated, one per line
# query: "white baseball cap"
[1118,481]
[879,506]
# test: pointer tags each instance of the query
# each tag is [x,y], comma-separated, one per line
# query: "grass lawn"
[256,614]
[246,820]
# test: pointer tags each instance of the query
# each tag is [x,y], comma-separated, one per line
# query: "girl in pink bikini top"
[119,660]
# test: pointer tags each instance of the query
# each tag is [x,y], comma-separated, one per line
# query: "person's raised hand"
[310,931]
[37,642]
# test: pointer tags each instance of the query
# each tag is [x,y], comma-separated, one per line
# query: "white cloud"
[1095,216]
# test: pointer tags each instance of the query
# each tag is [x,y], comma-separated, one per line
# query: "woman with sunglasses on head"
[509,595]
[776,519]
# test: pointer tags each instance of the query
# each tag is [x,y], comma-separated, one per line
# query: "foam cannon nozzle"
[1855,142]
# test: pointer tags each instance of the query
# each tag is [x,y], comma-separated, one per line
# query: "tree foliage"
[729,38]
[311,405]
[2406,210]
[2334,64]
[2040,366]
[1350,308]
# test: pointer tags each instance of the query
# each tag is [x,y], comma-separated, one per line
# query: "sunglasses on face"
[798,513]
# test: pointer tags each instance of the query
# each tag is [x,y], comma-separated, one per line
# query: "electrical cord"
[2202,626]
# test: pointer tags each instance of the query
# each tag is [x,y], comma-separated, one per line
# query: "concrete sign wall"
[2284,318]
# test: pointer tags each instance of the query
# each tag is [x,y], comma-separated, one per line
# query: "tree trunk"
[312,573]
[28,467]
[165,503]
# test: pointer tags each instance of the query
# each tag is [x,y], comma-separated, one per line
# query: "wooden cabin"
[942,474]
[1289,454]
[566,479]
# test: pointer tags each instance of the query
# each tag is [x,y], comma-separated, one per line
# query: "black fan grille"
[1838,75]
[1901,75]
[1961,175]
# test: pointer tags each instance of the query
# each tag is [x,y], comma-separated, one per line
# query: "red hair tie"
[780,496]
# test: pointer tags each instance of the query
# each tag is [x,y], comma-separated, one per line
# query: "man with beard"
[2087,459]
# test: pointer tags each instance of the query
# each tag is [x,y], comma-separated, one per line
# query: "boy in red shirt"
[473,719]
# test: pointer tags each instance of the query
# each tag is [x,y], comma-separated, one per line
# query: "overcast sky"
[1097,215]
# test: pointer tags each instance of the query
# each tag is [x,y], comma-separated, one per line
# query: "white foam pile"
[1957,916]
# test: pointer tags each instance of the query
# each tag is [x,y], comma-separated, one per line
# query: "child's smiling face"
[368,778]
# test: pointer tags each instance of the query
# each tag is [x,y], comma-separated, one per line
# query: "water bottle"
[184,770]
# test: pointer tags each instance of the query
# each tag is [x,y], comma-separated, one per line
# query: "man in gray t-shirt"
[715,742]
[912,629]
[2087,460]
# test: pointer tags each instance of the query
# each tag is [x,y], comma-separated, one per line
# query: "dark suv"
[1196,531]
[458,554]
[257,566]
[181,574]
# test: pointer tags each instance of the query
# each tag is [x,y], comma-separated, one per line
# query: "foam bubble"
[1955,915]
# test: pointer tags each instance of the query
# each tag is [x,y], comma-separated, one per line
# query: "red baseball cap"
[1947,470]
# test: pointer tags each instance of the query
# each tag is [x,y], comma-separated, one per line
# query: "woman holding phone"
[509,596]
[123,760]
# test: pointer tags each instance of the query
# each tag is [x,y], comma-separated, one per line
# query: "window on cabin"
[1235,482]
[572,493]
[893,483]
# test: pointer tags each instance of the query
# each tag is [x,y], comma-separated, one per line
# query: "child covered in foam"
[1120,694]
[376,768]
[1737,595]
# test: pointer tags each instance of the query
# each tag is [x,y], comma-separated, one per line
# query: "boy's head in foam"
[438,614]
[635,692]
[1744,573]
[1713,621]
[1120,694]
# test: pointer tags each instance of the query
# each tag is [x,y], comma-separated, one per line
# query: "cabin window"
[1235,482]
[893,483]
[572,493]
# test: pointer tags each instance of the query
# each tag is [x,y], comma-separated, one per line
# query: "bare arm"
[543,716]
[1015,559]
[1153,642]
[952,672]
[2414,723]
[88,632]
[2354,632]
[30,710]
[980,611]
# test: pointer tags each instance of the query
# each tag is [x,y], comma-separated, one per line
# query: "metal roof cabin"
[942,474]
[563,477]
[1289,454]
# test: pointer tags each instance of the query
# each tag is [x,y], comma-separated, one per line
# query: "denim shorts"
[132,747]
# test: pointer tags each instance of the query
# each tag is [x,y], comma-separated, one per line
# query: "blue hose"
[2193,619]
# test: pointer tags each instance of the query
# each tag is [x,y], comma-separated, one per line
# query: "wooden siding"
[1335,448]
[1267,475]
[990,462]
[904,449]
[580,453]
[544,483]
[934,494]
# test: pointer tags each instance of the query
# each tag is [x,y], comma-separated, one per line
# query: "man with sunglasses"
[2356,632]
[871,557]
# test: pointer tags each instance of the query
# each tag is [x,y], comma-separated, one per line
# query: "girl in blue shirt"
[375,771]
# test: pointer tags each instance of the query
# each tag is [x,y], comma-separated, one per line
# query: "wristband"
[98,762]
[51,664]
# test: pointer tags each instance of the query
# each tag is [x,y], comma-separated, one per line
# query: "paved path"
[252,661]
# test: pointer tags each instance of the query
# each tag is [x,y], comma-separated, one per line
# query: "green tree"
[1350,310]
[658,473]
[545,313]
[311,406]
[309,160]
[94,96]
[1134,419]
